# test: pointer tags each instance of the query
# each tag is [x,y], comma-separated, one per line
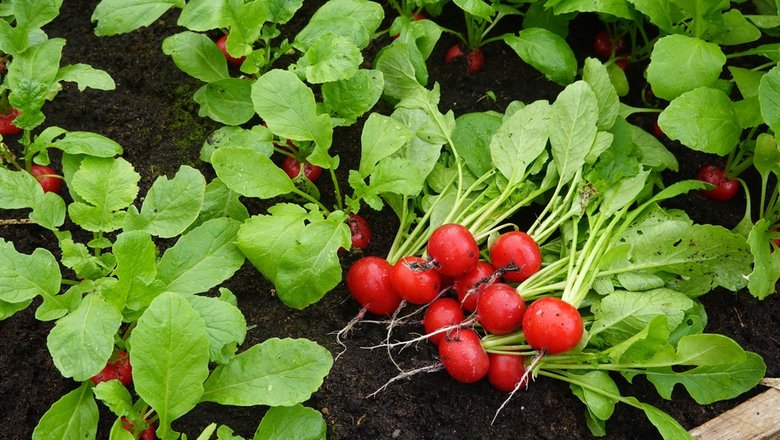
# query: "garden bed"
[151,114]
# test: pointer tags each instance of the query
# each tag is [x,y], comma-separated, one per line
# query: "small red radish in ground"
[222,45]
[500,309]
[360,231]
[475,58]
[444,312]
[725,187]
[368,280]
[50,181]
[604,44]
[124,371]
[412,284]
[517,250]
[7,126]
[454,250]
[469,286]
[292,167]
[463,357]
[552,325]
[107,373]
[506,371]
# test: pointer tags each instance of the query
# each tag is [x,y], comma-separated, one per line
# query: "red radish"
[360,230]
[50,181]
[368,280]
[500,309]
[469,286]
[292,167]
[506,371]
[107,373]
[124,371]
[412,284]
[463,356]
[444,312]
[7,126]
[622,60]
[147,434]
[475,61]
[454,249]
[453,53]
[518,254]
[657,132]
[604,44]
[222,45]
[552,325]
[725,187]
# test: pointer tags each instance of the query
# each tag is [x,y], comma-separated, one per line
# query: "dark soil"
[152,115]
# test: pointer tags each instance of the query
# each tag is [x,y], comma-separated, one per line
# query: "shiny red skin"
[416,286]
[360,230]
[553,325]
[454,249]
[292,167]
[7,126]
[47,177]
[221,44]
[603,44]
[506,371]
[107,373]
[622,60]
[725,188]
[500,309]
[463,357]
[657,132]
[146,434]
[475,61]
[464,283]
[454,52]
[520,249]
[368,281]
[444,312]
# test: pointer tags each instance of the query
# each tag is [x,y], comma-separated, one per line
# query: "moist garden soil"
[151,114]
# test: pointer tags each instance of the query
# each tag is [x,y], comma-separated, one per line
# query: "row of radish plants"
[604,280]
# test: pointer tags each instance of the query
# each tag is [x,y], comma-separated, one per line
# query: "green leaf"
[356,20]
[476,8]
[115,396]
[31,14]
[573,128]
[311,267]
[769,98]
[84,142]
[107,186]
[330,58]
[545,51]
[227,101]
[680,63]
[735,29]
[136,268]
[472,136]
[31,80]
[201,259]
[712,383]
[703,119]
[250,173]
[196,55]
[286,422]
[258,138]
[747,80]
[666,425]
[596,75]
[81,342]
[402,75]
[73,417]
[276,372]
[86,76]
[622,314]
[122,16]
[204,15]
[766,262]
[382,136]
[225,325]
[350,98]
[520,139]
[170,206]
[618,8]
[23,277]
[220,201]
[287,105]
[598,403]
[170,352]
[710,253]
